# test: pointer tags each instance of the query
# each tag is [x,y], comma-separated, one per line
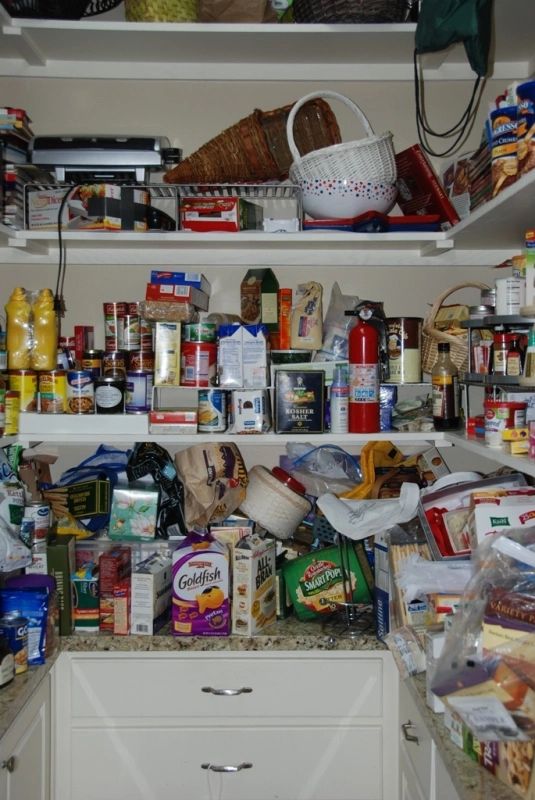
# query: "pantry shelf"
[497,454]
[105,47]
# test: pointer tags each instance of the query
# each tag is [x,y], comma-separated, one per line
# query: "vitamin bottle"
[445,390]
[19,332]
[45,332]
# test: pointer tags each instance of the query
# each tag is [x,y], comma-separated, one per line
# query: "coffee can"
[138,396]
[80,392]
[404,344]
[212,411]
[109,394]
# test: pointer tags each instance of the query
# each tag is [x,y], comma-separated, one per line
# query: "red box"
[84,337]
[121,608]
[176,293]
[210,213]
[115,567]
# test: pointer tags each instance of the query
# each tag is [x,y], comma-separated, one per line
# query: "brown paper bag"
[235,11]
[215,478]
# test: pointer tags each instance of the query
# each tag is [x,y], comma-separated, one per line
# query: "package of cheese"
[500,510]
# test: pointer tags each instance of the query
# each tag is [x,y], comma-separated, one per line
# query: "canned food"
[24,381]
[27,531]
[212,411]
[53,392]
[80,392]
[146,339]
[141,360]
[40,513]
[11,426]
[404,349]
[198,363]
[130,335]
[200,332]
[109,394]
[92,361]
[114,362]
[14,628]
[113,324]
[138,392]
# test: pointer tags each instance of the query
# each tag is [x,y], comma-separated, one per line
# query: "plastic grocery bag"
[487,670]
[327,468]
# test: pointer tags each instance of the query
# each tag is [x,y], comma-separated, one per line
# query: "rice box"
[253,597]
[200,599]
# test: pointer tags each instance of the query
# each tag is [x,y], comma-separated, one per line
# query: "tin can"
[114,362]
[11,426]
[114,314]
[146,335]
[27,531]
[212,411]
[80,392]
[92,361]
[198,363]
[14,628]
[40,513]
[404,344]
[138,397]
[141,360]
[53,392]
[130,334]
[109,394]
[24,381]
[200,332]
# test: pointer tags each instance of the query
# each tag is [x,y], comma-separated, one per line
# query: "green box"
[61,564]
[86,598]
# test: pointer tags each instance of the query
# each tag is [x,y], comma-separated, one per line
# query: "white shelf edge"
[498,454]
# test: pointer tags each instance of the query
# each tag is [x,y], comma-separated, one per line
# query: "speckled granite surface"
[471,781]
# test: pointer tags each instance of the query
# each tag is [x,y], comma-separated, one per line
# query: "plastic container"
[272,501]
[500,415]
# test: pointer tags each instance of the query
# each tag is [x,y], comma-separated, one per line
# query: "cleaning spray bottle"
[364,381]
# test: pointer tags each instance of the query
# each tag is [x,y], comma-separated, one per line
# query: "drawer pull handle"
[409,737]
[229,768]
[227,692]
[9,764]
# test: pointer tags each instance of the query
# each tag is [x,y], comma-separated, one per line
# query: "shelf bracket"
[28,49]
[32,247]
[437,248]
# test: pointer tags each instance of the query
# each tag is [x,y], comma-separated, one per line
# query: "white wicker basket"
[370,159]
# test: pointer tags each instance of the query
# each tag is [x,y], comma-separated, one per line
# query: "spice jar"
[500,349]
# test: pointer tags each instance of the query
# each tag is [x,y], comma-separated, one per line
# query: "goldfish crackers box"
[201,603]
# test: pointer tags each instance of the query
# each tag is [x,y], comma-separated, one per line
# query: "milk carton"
[254,596]
[200,600]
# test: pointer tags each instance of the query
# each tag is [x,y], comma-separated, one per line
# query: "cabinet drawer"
[419,753]
[159,687]
[294,763]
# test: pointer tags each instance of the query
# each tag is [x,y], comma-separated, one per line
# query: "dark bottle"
[445,387]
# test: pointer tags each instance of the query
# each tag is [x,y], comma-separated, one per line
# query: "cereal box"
[200,599]
[253,597]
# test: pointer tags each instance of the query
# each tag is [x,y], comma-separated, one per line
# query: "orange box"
[285,316]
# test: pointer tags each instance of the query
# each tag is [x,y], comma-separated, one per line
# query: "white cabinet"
[237,726]
[25,750]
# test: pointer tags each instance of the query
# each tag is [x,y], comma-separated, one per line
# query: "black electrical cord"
[460,129]
[59,300]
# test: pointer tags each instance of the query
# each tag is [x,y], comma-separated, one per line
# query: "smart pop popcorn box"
[200,601]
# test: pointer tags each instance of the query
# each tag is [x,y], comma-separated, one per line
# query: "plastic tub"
[500,415]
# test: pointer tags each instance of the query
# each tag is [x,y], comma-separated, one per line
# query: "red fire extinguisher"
[364,415]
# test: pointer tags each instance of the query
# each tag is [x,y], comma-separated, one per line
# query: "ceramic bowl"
[337,199]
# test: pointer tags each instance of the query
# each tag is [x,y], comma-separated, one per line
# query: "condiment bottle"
[19,334]
[514,358]
[45,332]
[445,386]
[499,354]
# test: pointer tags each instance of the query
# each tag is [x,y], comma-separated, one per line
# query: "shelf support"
[28,49]
[437,248]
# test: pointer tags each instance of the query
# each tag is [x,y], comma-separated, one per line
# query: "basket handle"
[431,314]
[312,96]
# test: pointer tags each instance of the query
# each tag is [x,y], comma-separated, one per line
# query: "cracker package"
[307,317]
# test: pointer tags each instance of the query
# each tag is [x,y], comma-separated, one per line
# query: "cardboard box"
[178,421]
[219,214]
[299,401]
[507,509]
[61,564]
[258,298]
[167,353]
[382,590]
[121,608]
[177,293]
[95,207]
[254,591]
[196,279]
[134,511]
[242,357]
[151,594]
[201,581]
[284,300]
[83,499]
[250,411]
[85,598]
[114,567]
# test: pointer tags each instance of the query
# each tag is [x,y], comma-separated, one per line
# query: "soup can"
[109,394]
[131,332]
[114,314]
[141,360]
[212,411]
[24,381]
[138,396]
[53,392]
[404,345]
[80,392]
[200,332]
[11,426]
[40,513]
[92,361]
[114,361]
[14,628]
[198,363]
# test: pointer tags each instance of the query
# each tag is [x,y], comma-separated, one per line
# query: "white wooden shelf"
[102,47]
[497,454]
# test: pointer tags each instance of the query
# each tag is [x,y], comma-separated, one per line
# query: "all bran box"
[200,599]
[254,596]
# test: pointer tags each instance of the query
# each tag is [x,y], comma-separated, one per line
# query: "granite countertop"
[471,781]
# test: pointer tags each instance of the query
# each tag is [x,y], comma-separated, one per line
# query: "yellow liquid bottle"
[45,332]
[18,330]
